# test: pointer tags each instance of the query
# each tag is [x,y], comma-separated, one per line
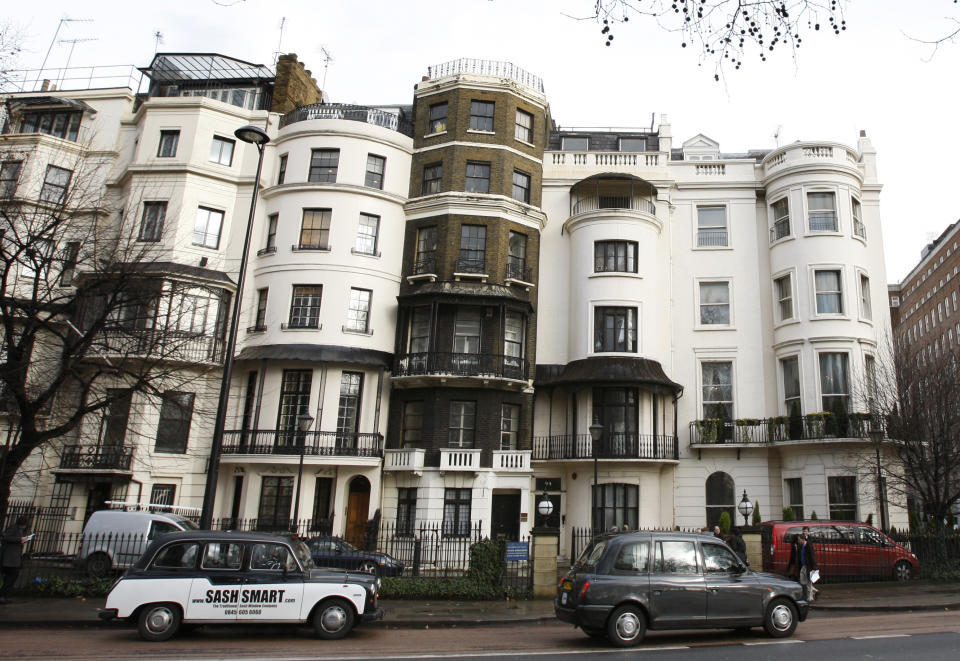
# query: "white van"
[115,539]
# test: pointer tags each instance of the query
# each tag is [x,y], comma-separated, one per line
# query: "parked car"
[845,549]
[624,584]
[203,577]
[115,539]
[336,552]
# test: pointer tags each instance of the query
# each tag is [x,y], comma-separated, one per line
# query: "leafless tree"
[89,312]
[726,32]
[11,40]
[916,397]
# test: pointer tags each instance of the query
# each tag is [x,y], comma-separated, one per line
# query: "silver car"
[624,584]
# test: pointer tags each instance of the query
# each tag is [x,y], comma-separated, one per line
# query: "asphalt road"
[927,635]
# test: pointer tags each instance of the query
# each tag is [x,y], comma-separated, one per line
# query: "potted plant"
[707,429]
[816,423]
[743,429]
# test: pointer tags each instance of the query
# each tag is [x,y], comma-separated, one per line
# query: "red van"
[845,550]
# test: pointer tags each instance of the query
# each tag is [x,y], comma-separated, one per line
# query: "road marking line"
[775,642]
[882,635]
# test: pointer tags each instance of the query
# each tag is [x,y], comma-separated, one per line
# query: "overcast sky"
[871,78]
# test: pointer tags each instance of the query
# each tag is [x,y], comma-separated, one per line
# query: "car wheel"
[99,565]
[781,618]
[598,634]
[368,566]
[626,626]
[333,619]
[158,622]
[902,571]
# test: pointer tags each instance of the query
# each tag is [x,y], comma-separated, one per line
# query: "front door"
[505,519]
[358,505]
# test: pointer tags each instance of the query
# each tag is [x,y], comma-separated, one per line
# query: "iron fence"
[311,443]
[460,364]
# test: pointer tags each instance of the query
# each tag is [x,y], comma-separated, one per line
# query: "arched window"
[719,498]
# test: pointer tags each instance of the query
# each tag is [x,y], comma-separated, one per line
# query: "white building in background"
[712,312]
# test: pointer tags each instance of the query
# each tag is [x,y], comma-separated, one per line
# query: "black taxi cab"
[205,577]
[624,584]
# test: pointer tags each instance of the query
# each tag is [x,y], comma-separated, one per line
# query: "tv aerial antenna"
[157,40]
[73,44]
[65,19]
[776,134]
[327,59]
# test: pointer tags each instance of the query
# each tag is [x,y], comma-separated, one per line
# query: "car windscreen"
[591,555]
[303,554]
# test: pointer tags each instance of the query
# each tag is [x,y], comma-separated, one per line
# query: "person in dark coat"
[803,560]
[11,556]
[739,546]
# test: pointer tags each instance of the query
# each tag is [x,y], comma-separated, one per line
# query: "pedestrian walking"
[739,546]
[803,561]
[11,556]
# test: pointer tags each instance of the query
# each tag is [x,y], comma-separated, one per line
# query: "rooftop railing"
[486,68]
[375,116]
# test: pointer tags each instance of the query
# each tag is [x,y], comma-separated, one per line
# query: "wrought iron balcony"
[375,116]
[311,443]
[612,446]
[518,270]
[766,431]
[467,262]
[104,457]
[711,237]
[160,344]
[780,229]
[612,201]
[441,363]
[425,263]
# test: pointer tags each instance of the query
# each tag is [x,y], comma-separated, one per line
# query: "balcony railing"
[453,459]
[612,446]
[711,238]
[859,229]
[425,263]
[780,229]
[460,364]
[518,270]
[306,247]
[313,443]
[597,203]
[467,262]
[375,116]
[511,461]
[405,459]
[105,457]
[765,431]
[161,344]
[823,221]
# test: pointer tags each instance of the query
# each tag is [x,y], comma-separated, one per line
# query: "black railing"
[710,238]
[518,270]
[763,431]
[303,527]
[612,446]
[467,263]
[260,328]
[106,457]
[461,364]
[365,114]
[780,229]
[161,344]
[859,229]
[313,443]
[269,250]
[425,263]
[307,247]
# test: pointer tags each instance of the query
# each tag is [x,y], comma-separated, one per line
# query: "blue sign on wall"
[517,551]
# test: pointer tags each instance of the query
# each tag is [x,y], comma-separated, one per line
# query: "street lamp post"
[596,435]
[876,437]
[544,509]
[745,508]
[304,422]
[257,137]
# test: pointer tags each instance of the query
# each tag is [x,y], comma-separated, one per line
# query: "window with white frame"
[206,229]
[715,303]
[866,308]
[305,306]
[271,244]
[829,291]
[324,164]
[512,339]
[523,129]
[481,115]
[358,315]
[151,225]
[462,427]
[221,150]
[717,389]
[842,492]
[478,177]
[834,381]
[781,219]
[783,290]
[432,178]
[56,181]
[859,229]
[790,369]
[348,408]
[375,167]
[169,140]
[615,256]
[456,512]
[521,186]
[822,211]
[870,371]
[315,230]
[367,231]
[509,426]
[438,117]
[9,174]
[711,226]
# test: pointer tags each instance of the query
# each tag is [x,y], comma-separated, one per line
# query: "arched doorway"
[719,498]
[358,504]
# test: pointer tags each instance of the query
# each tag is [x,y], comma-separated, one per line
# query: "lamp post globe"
[745,507]
[252,134]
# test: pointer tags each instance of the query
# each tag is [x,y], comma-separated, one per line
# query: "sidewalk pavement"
[34,611]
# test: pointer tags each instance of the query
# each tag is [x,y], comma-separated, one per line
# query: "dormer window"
[574,143]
